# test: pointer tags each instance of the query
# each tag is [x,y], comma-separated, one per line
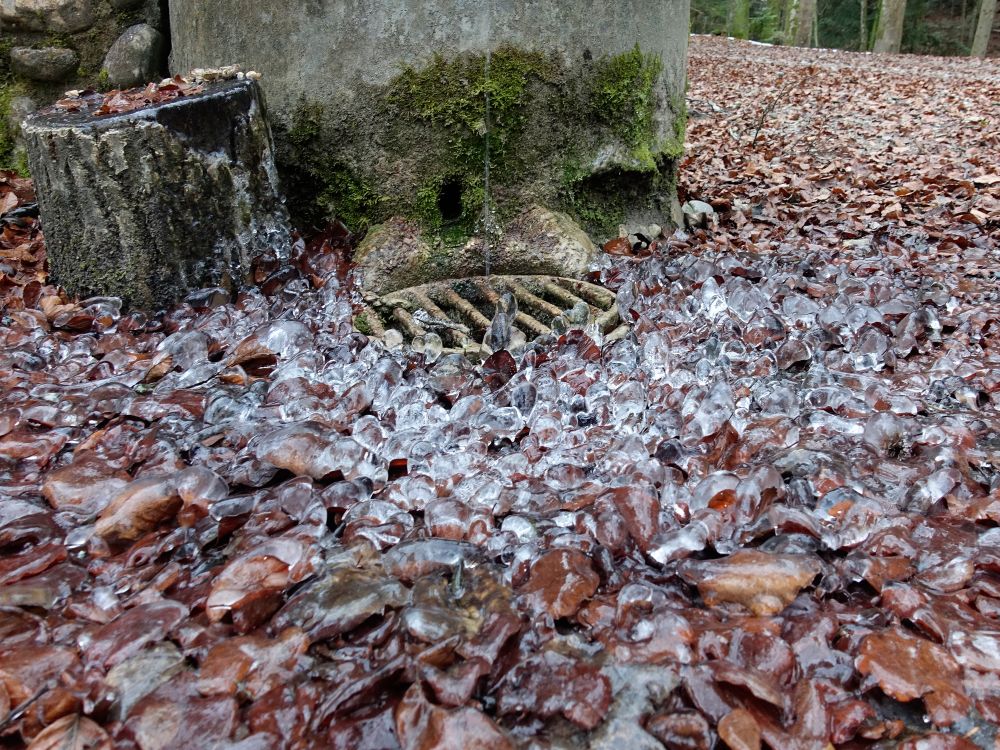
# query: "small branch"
[769,108]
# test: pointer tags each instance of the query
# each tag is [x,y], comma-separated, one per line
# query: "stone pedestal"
[149,204]
[392,108]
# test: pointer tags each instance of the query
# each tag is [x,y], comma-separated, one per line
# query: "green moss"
[674,146]
[624,96]
[479,112]
[11,159]
[602,202]
[323,180]
[348,198]
[425,209]
[57,40]
[454,93]
[418,145]
[588,203]
[362,324]
[307,124]
[455,235]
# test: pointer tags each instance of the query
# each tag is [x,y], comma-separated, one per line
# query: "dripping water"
[487,210]
[490,229]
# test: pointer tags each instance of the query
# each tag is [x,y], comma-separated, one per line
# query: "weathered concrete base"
[390,109]
[149,204]
[399,254]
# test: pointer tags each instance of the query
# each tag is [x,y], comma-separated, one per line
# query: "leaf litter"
[768,517]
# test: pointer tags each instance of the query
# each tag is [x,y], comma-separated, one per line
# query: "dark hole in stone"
[450,201]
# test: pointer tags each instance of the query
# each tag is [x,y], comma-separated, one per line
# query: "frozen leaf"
[560,582]
[687,729]
[340,601]
[905,666]
[138,508]
[421,725]
[87,485]
[131,631]
[740,731]
[251,665]
[133,679]
[550,684]
[763,583]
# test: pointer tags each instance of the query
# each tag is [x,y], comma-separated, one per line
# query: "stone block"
[136,57]
[398,254]
[60,16]
[48,64]
[389,109]
[148,204]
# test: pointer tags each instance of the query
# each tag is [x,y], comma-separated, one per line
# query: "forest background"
[934,27]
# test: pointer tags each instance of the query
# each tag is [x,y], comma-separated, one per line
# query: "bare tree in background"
[801,21]
[984,27]
[889,36]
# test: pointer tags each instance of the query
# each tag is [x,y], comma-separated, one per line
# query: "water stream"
[489,227]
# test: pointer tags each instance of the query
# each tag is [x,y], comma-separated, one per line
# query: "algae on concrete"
[380,110]
[579,140]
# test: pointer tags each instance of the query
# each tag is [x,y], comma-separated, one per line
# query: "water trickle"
[489,227]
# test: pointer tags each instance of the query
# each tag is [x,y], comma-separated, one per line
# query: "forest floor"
[769,515]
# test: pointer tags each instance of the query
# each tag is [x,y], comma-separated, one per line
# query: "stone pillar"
[388,109]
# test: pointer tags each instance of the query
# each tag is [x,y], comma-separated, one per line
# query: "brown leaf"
[905,666]
[138,508]
[740,731]
[763,583]
[423,726]
[560,582]
[71,733]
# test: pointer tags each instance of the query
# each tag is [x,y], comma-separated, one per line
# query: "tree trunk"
[890,26]
[984,27]
[149,204]
[863,27]
[802,19]
[740,19]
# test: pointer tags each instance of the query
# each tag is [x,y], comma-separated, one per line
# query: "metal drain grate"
[460,310]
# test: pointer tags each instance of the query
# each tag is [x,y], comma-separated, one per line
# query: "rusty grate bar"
[525,299]
[405,321]
[473,317]
[460,310]
[456,335]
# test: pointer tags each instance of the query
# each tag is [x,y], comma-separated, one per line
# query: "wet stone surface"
[767,516]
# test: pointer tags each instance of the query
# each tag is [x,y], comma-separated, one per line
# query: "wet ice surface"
[769,515]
